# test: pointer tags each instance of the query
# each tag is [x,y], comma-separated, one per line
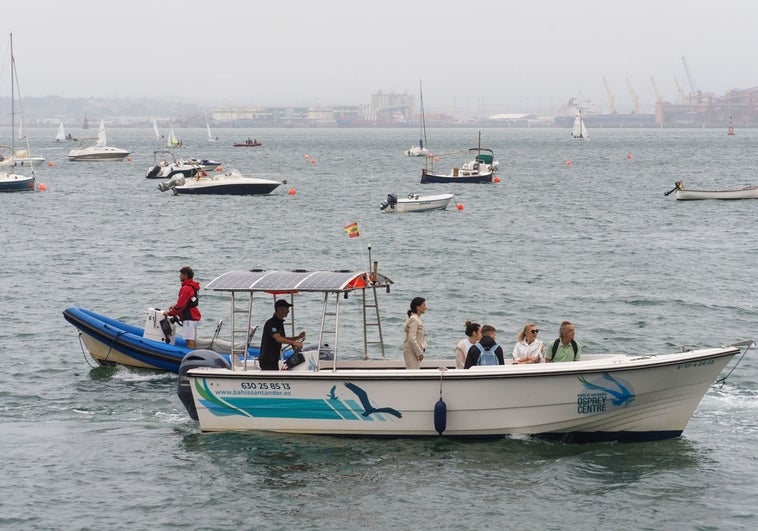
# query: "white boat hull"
[420,203]
[750,192]
[611,397]
[94,153]
[228,183]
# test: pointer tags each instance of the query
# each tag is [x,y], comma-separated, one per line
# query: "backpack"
[558,342]
[487,357]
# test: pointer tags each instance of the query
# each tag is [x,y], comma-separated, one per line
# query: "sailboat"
[421,150]
[85,123]
[172,140]
[158,135]
[100,151]
[211,138]
[579,131]
[11,181]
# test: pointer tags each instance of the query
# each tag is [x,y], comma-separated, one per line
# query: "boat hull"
[611,397]
[113,342]
[738,193]
[421,203]
[227,189]
[104,154]
[13,182]
[229,183]
[428,177]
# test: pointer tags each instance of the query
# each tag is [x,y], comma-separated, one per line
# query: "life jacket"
[487,357]
[192,303]
[558,342]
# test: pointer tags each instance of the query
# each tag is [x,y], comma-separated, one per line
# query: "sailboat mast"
[423,114]
[13,98]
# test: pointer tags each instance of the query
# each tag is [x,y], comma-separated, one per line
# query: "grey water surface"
[594,241]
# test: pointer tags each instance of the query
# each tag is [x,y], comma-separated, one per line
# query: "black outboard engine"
[390,202]
[196,358]
[154,171]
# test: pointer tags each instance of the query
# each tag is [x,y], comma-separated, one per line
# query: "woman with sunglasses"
[529,349]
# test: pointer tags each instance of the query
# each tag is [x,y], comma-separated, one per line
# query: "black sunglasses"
[535,331]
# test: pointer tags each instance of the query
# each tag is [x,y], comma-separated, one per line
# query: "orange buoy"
[42,187]
[219,168]
[50,164]
[496,179]
[629,156]
[568,163]
[313,161]
[307,156]
[459,206]
[291,191]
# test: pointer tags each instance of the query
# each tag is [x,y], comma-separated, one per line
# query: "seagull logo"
[332,395]
[368,409]
[622,396]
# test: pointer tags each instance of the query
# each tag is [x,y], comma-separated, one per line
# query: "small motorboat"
[480,169]
[248,143]
[415,203]
[682,194]
[230,182]
[100,151]
[156,346]
[168,166]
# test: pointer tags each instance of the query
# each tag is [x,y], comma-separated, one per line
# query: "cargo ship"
[608,120]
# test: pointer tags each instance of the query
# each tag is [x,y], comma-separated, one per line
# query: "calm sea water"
[595,242]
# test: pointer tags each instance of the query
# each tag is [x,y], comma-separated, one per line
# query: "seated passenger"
[564,348]
[473,334]
[486,351]
[528,349]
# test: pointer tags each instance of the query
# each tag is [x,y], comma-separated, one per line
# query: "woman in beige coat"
[414,343]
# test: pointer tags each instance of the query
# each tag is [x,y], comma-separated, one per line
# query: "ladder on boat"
[242,329]
[330,323]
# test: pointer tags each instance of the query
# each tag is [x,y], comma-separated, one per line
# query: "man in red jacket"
[186,305]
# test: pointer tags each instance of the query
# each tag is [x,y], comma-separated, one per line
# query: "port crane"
[658,97]
[692,84]
[611,99]
[682,97]
[635,99]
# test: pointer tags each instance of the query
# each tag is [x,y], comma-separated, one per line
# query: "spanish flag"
[352,230]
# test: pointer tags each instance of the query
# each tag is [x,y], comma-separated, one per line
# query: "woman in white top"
[473,334]
[414,344]
[529,349]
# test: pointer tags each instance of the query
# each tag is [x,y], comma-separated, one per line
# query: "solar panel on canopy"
[282,281]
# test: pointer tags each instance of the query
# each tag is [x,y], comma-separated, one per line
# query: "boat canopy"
[257,280]
[483,155]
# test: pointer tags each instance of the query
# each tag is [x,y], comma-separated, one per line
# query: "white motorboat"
[165,166]
[683,194]
[99,151]
[415,203]
[230,182]
[318,391]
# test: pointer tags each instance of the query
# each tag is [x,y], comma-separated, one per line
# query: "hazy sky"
[499,56]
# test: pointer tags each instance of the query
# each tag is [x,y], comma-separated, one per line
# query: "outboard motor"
[390,202]
[193,359]
[176,180]
[152,172]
